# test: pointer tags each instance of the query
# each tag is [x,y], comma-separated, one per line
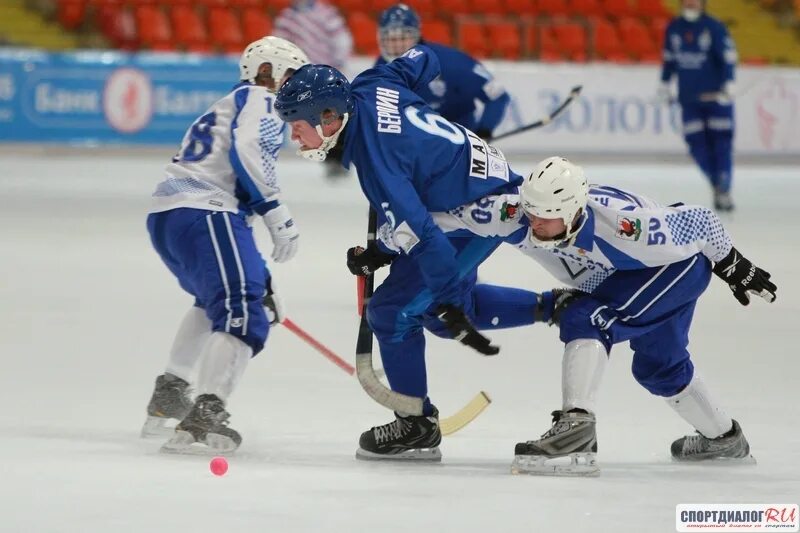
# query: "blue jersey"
[412,162]
[464,92]
[701,53]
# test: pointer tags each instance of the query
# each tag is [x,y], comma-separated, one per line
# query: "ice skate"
[732,446]
[205,430]
[568,448]
[169,403]
[409,438]
[723,201]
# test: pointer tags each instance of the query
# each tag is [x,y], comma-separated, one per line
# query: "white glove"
[726,95]
[283,232]
[273,303]
[663,94]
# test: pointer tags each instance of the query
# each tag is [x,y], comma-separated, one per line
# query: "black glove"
[554,305]
[484,134]
[744,277]
[463,331]
[363,262]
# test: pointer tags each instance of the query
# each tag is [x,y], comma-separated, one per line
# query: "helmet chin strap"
[321,153]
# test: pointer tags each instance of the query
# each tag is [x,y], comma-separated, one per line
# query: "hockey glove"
[363,262]
[276,312]
[463,331]
[484,134]
[550,306]
[283,232]
[743,277]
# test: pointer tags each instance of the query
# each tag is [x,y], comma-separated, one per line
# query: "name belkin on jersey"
[386,101]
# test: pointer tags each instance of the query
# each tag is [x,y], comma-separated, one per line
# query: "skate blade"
[183,443]
[156,426]
[718,461]
[423,455]
[580,465]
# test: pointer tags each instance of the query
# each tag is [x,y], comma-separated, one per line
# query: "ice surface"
[88,314]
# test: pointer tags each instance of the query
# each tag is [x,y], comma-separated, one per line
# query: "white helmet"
[556,189]
[280,53]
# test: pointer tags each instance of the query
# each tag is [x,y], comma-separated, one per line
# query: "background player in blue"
[223,174]
[464,92]
[699,50]
[411,162]
[643,267]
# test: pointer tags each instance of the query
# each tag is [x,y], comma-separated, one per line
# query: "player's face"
[396,42]
[305,135]
[545,229]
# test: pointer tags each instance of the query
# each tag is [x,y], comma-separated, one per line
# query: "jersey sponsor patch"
[628,228]
[486,161]
[508,211]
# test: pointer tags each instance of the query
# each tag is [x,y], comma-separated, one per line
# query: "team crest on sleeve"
[628,228]
[508,211]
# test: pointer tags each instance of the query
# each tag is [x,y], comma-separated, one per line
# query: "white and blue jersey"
[227,159]
[702,55]
[198,223]
[464,92]
[642,264]
[412,162]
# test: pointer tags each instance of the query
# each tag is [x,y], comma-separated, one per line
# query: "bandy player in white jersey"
[642,267]
[223,175]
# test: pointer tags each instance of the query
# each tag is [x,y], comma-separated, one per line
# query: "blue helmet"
[397,23]
[310,91]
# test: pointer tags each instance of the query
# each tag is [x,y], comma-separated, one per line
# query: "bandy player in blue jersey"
[464,91]
[411,162]
[700,52]
[199,223]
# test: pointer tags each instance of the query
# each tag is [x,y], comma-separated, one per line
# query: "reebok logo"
[730,269]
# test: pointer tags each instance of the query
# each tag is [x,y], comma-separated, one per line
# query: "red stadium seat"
[225,30]
[276,6]
[188,29]
[437,31]
[617,8]
[70,13]
[153,27]
[472,39]
[364,30]
[450,8]
[549,51]
[242,3]
[255,24]
[553,8]
[571,41]
[658,29]
[424,8]
[520,7]
[531,39]
[488,7]
[585,8]
[118,24]
[651,9]
[379,6]
[636,39]
[350,6]
[606,43]
[505,39]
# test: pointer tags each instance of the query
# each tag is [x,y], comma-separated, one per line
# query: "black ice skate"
[205,430]
[170,402]
[414,438]
[573,436]
[732,446]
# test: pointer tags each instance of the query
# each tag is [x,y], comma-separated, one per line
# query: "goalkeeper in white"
[223,175]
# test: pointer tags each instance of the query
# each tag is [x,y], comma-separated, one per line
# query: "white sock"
[695,405]
[194,331]
[223,362]
[582,371]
